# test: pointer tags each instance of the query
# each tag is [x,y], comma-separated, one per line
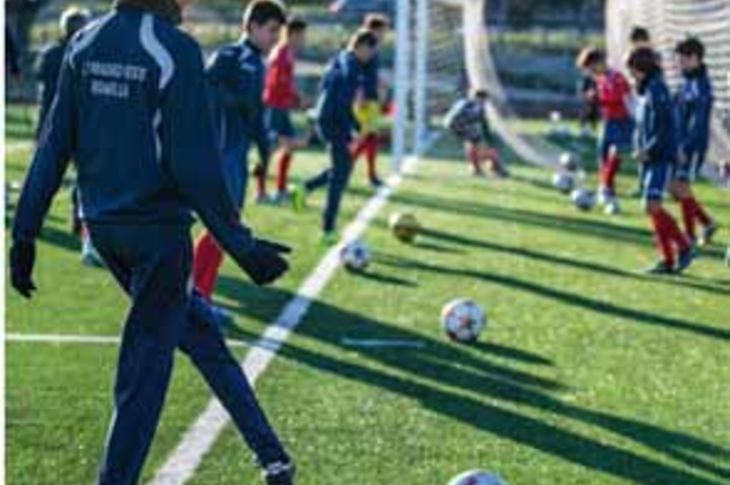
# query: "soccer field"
[589,372]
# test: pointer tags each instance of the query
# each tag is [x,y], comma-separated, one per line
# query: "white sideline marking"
[202,434]
[50,338]
[382,343]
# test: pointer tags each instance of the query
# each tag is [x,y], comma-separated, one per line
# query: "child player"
[336,123]
[368,109]
[281,97]
[467,120]
[656,149]
[614,95]
[694,108]
[236,77]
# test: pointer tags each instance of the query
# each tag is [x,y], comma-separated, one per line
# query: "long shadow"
[685,281]
[449,365]
[384,278]
[563,296]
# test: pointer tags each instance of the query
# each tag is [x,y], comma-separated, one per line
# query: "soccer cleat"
[604,197]
[376,183]
[264,199]
[299,198]
[612,208]
[329,238]
[707,234]
[280,473]
[282,197]
[661,267]
[685,258]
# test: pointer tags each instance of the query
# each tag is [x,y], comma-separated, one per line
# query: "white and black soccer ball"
[568,162]
[463,320]
[477,477]
[583,199]
[563,181]
[355,256]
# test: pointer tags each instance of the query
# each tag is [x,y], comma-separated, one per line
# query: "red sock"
[359,148]
[283,176]
[610,168]
[661,238]
[206,263]
[700,213]
[672,230]
[688,216]
[371,155]
[473,154]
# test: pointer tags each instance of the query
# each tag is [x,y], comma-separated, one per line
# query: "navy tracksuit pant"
[152,264]
[335,178]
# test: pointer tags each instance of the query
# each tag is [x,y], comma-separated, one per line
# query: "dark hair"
[589,56]
[480,94]
[260,12]
[644,59]
[376,21]
[691,46]
[296,24]
[363,37]
[640,34]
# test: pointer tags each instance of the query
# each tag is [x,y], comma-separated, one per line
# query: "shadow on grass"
[437,375]
[681,281]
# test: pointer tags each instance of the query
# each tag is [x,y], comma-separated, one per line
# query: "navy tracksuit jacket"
[655,134]
[132,110]
[693,104]
[336,123]
[236,74]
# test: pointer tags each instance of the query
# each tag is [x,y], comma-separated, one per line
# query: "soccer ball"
[563,181]
[477,477]
[405,226]
[355,256]
[463,320]
[568,162]
[583,199]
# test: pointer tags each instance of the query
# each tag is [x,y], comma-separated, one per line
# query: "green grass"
[589,371]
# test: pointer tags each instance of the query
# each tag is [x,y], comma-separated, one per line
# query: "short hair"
[74,19]
[644,59]
[480,93]
[691,46]
[376,21]
[296,24]
[260,12]
[640,34]
[590,56]
[363,37]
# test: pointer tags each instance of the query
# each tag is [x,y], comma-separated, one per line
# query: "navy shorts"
[618,133]
[689,170]
[655,178]
[280,123]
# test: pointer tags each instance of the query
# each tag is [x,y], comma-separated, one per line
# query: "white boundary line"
[50,338]
[202,434]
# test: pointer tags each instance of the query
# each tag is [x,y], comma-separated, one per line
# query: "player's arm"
[55,147]
[196,167]
[257,117]
[230,86]
[699,125]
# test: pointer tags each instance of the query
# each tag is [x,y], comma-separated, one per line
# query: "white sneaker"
[612,208]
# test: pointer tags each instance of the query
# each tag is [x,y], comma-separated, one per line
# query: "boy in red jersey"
[280,97]
[613,93]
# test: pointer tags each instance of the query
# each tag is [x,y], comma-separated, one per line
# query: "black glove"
[22,259]
[264,263]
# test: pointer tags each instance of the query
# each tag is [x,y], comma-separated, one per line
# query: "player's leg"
[666,231]
[371,157]
[152,264]
[341,170]
[473,155]
[709,227]
[204,344]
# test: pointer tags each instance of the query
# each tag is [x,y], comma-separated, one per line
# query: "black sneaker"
[661,267]
[685,258]
[280,473]
[376,183]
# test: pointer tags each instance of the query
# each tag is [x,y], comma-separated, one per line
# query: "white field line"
[202,434]
[49,338]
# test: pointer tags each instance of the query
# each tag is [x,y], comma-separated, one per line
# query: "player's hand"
[265,262]
[22,260]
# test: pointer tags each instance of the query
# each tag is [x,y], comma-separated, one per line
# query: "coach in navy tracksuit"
[48,64]
[336,124]
[132,111]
